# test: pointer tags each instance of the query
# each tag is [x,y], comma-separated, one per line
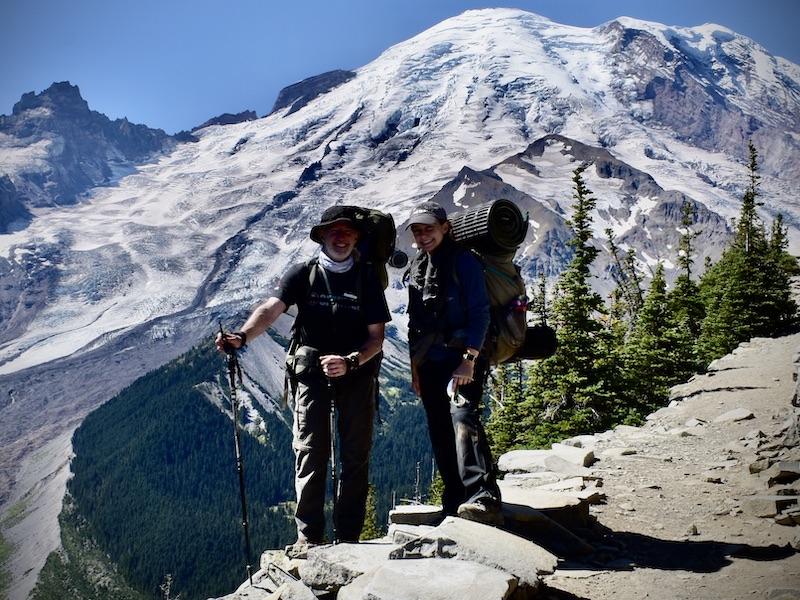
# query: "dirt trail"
[686,516]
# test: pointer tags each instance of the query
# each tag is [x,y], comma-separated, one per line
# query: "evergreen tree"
[506,395]
[627,297]
[658,353]
[570,392]
[747,293]
[372,529]
[436,490]
[538,303]
[778,242]
[684,301]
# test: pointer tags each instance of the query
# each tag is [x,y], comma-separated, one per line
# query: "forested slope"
[156,486]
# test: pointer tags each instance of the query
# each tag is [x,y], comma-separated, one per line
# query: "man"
[448,310]
[334,357]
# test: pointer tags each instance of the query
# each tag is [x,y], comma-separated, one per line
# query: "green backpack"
[493,232]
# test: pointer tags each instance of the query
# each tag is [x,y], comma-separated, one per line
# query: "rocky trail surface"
[700,503]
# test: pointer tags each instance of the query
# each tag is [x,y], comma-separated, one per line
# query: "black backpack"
[376,244]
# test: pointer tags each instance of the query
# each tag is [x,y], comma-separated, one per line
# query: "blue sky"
[173,64]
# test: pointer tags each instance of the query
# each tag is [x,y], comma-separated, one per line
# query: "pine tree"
[506,395]
[538,303]
[747,293]
[436,491]
[684,301]
[627,297]
[570,392]
[372,530]
[658,353]
[778,242]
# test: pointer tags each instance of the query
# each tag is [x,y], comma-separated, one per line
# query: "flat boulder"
[431,579]
[495,548]
[330,567]
[565,463]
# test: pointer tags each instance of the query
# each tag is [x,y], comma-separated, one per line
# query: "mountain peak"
[71,148]
[63,98]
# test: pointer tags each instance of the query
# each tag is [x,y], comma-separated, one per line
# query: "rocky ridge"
[71,148]
[701,502]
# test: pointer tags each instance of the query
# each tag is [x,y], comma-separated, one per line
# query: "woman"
[448,312]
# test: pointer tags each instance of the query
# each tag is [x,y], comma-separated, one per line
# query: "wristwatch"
[351,361]
[470,357]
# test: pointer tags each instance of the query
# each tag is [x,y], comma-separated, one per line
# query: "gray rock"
[582,441]
[571,484]
[661,413]
[466,540]
[532,479]
[737,414]
[431,579]
[531,461]
[783,594]
[568,510]
[292,590]
[580,455]
[330,567]
[415,514]
[263,588]
[764,505]
[618,452]
[537,527]
[630,431]
[782,472]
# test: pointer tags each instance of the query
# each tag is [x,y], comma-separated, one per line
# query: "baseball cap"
[427,213]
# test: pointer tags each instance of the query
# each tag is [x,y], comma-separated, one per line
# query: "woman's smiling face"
[339,240]
[429,237]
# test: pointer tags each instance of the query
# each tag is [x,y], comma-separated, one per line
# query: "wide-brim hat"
[427,213]
[335,214]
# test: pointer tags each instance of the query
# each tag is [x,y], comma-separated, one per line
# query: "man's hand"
[333,365]
[229,342]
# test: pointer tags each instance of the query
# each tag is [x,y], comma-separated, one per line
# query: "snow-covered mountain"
[492,103]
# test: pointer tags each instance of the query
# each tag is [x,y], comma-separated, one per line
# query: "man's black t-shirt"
[334,321]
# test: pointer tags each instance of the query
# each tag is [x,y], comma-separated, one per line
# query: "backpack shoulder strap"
[313,269]
[459,251]
[289,381]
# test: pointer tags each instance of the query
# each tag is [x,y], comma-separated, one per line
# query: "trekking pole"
[334,475]
[235,369]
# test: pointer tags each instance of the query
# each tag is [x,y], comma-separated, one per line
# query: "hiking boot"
[482,510]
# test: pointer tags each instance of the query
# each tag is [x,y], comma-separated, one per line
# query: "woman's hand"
[465,373]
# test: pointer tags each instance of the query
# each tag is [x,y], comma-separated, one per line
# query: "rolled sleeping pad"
[497,226]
